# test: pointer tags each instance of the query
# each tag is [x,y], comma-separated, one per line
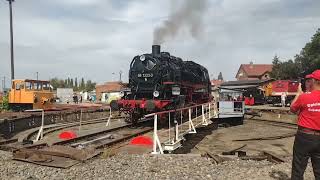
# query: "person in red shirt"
[307,140]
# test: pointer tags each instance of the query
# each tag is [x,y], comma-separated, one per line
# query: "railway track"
[106,137]
[13,123]
[278,123]
[28,136]
[58,127]
[65,153]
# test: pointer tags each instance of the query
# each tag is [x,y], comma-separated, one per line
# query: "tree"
[71,83]
[65,85]
[82,85]
[54,83]
[5,103]
[304,63]
[75,84]
[90,86]
[220,76]
[276,67]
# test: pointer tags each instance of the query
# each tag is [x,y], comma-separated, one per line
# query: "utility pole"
[120,73]
[4,83]
[11,39]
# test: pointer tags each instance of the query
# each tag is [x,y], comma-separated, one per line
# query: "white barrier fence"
[185,121]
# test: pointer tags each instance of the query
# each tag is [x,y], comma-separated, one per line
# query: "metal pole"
[155,118]
[37,76]
[11,40]
[80,121]
[209,111]
[120,76]
[169,127]
[189,119]
[4,83]
[42,123]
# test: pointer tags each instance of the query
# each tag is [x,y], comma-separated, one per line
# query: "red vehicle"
[276,88]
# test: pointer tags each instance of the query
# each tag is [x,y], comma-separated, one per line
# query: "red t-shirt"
[308,105]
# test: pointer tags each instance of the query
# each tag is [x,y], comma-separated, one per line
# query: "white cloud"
[93,38]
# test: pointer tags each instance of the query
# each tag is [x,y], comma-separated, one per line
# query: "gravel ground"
[149,167]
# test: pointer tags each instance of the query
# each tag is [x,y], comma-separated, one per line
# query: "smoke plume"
[189,14]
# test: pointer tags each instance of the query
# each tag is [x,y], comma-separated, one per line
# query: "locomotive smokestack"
[156,50]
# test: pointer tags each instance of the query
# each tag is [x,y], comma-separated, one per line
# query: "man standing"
[283,99]
[307,140]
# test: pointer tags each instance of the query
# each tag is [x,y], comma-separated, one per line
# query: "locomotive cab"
[30,94]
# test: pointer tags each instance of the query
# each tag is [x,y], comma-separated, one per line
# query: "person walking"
[307,139]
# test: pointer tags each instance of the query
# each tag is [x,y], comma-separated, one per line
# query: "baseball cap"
[314,75]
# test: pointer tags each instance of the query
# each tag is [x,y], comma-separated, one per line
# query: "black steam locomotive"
[159,81]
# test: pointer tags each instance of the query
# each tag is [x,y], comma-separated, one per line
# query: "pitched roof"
[216,82]
[110,86]
[255,70]
[246,82]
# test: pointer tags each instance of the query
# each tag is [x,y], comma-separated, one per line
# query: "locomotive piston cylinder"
[156,49]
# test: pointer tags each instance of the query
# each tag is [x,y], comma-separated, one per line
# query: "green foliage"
[82,84]
[70,83]
[75,84]
[90,86]
[5,103]
[304,63]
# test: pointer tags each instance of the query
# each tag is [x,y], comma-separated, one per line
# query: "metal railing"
[41,129]
[185,120]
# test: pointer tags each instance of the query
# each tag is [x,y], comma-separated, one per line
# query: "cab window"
[45,86]
[37,86]
[19,86]
[28,85]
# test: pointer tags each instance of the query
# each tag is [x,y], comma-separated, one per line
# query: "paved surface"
[221,140]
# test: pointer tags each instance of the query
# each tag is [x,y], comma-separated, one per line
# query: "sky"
[96,39]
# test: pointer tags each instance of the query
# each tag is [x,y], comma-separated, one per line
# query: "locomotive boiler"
[159,81]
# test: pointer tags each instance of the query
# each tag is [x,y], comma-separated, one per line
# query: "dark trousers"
[305,146]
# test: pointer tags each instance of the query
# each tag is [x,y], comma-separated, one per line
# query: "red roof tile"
[216,82]
[254,70]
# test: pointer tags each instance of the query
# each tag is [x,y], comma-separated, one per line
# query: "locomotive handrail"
[173,139]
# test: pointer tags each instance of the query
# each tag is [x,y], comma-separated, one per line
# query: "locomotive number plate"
[149,75]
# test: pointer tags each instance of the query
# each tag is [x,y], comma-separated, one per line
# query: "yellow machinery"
[30,94]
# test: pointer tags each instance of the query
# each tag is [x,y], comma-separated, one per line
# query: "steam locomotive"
[159,81]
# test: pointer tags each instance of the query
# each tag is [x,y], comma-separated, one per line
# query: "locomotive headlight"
[142,58]
[156,93]
[121,93]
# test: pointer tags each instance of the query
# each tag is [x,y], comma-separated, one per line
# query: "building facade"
[254,71]
[108,87]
